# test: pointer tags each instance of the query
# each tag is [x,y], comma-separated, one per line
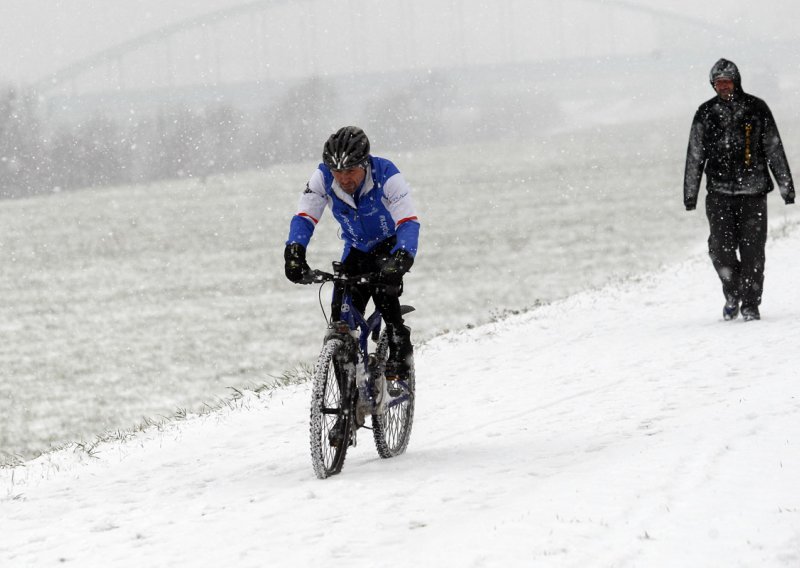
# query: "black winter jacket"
[736,142]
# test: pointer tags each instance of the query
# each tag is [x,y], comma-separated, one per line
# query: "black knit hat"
[724,69]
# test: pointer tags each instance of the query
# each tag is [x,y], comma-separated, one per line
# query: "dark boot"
[750,313]
[731,309]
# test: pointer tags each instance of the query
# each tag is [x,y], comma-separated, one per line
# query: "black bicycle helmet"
[347,148]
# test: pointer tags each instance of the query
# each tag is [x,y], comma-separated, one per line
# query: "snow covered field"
[626,426]
[125,304]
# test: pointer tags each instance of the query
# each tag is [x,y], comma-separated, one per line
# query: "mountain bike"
[350,382]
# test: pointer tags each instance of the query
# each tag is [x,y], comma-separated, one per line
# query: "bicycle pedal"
[337,441]
[393,386]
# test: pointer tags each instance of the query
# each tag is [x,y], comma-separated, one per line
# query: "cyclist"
[371,200]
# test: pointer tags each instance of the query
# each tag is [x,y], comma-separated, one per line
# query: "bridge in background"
[276,40]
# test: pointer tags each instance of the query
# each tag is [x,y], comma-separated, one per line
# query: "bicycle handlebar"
[373,278]
[320,276]
[316,277]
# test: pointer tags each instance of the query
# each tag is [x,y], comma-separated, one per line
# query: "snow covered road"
[628,426]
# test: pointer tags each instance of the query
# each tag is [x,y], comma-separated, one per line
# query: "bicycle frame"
[358,329]
[352,317]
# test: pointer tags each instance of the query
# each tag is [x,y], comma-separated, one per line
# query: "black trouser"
[358,262]
[738,222]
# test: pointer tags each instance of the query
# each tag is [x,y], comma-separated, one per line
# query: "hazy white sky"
[38,37]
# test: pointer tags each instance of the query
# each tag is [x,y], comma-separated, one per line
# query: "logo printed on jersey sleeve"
[384,225]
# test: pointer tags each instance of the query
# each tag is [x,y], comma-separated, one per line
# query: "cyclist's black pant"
[738,223]
[358,262]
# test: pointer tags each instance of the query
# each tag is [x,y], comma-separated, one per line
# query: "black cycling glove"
[296,266]
[396,266]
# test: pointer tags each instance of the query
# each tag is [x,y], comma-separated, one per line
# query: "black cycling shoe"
[395,372]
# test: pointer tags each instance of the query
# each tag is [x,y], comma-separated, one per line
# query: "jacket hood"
[725,68]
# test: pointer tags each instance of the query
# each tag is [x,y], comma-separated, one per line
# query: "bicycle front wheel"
[330,422]
[392,428]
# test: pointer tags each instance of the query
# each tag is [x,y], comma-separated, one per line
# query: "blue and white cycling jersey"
[381,208]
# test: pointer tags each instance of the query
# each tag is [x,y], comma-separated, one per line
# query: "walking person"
[735,141]
[371,200]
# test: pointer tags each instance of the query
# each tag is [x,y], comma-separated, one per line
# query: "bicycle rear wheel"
[330,423]
[392,428]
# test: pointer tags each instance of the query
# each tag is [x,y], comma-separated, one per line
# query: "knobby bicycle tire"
[328,405]
[392,428]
